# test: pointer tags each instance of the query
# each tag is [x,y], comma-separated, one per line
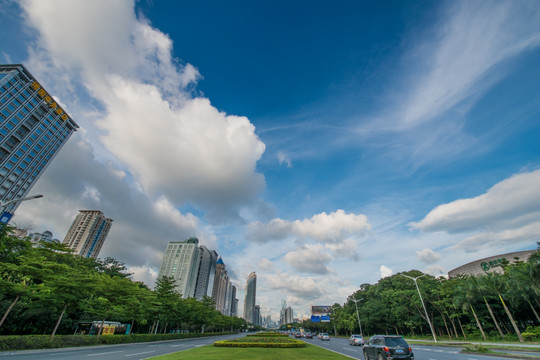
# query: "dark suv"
[387,347]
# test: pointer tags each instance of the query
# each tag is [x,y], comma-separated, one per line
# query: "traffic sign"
[6,216]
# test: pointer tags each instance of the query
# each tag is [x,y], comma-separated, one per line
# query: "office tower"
[181,262]
[221,282]
[257,316]
[88,233]
[249,300]
[233,301]
[228,300]
[33,128]
[207,272]
[234,311]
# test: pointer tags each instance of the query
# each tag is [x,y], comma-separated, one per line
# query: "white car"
[356,340]
[324,336]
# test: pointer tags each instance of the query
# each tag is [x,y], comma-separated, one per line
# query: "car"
[319,335]
[355,340]
[308,335]
[324,336]
[298,335]
[392,347]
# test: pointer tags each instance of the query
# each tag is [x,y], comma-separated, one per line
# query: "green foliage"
[28,342]
[532,333]
[45,289]
[264,342]
[267,334]
[393,305]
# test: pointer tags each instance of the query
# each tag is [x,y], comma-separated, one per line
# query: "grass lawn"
[211,352]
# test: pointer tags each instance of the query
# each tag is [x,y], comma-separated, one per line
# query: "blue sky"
[321,145]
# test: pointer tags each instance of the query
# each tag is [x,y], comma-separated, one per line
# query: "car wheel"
[380,356]
[366,357]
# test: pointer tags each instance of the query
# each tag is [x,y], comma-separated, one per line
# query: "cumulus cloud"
[173,144]
[385,271]
[510,202]
[303,287]
[330,228]
[266,264]
[428,256]
[310,259]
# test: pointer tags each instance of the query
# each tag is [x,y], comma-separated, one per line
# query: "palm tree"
[464,298]
[483,289]
[494,283]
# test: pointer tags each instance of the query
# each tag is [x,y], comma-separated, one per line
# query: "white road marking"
[105,353]
[146,352]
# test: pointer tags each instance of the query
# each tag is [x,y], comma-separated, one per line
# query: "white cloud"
[311,258]
[145,274]
[475,37]
[266,264]
[385,271]
[528,233]
[174,145]
[428,256]
[331,228]
[284,159]
[512,201]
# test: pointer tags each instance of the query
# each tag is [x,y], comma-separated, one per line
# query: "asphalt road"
[341,346]
[137,351]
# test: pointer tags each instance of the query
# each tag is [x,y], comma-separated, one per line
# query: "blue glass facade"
[33,128]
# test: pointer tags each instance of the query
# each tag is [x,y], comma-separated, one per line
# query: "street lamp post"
[358,316]
[422,300]
[13,201]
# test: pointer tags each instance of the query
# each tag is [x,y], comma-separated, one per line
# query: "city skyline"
[320,145]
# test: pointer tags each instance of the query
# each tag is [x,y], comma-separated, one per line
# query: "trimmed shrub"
[261,342]
[28,342]
[268,334]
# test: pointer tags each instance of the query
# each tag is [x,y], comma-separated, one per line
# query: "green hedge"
[268,342]
[28,342]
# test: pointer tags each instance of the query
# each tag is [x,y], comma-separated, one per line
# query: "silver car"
[355,340]
[324,336]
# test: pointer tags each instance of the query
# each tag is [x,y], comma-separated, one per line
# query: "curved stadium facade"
[490,264]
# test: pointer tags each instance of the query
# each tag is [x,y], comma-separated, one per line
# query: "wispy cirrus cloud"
[442,74]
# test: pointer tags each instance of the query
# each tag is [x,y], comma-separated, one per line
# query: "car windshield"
[396,342]
[357,336]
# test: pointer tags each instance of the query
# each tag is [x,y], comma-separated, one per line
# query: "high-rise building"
[257,316]
[181,262]
[207,272]
[221,282]
[250,298]
[88,233]
[232,301]
[33,128]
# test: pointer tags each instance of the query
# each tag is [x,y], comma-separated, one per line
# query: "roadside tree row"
[45,289]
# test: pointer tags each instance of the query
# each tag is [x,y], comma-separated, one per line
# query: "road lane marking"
[105,353]
[178,345]
[146,352]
